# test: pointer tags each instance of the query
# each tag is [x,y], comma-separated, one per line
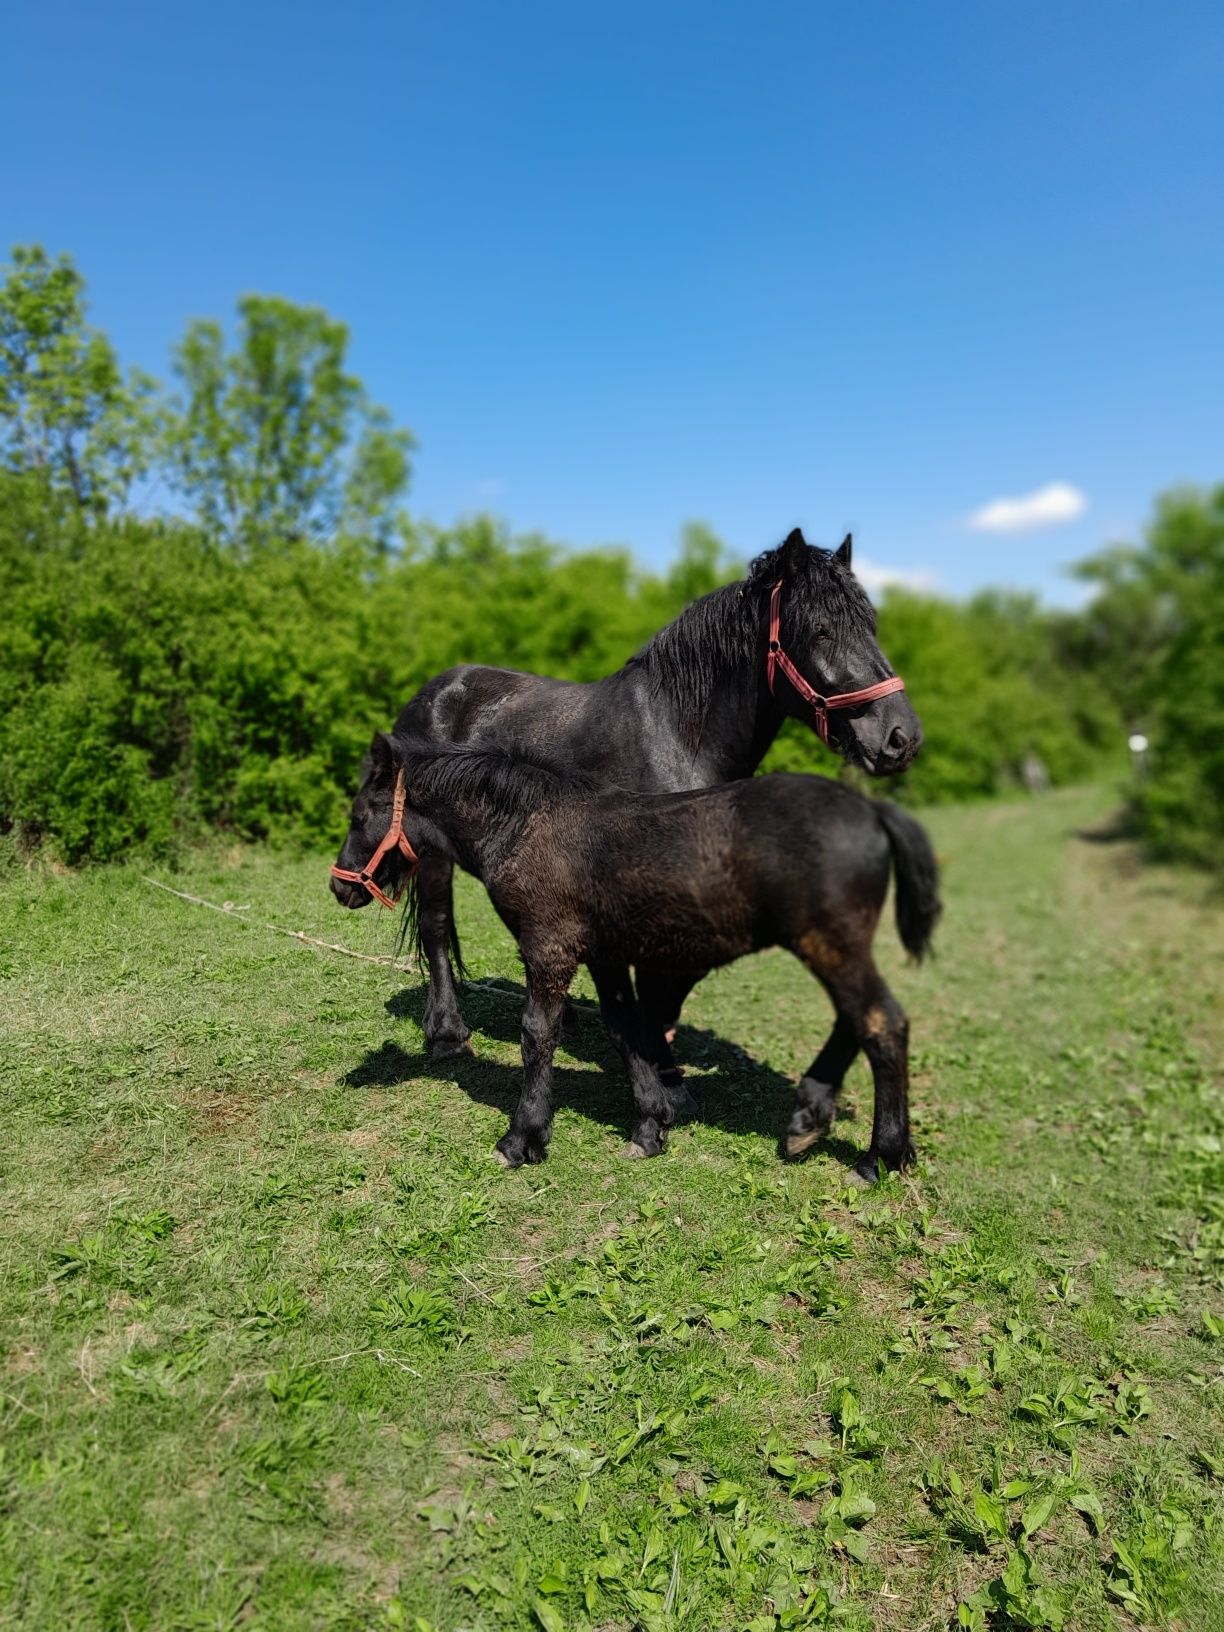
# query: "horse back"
[608,731]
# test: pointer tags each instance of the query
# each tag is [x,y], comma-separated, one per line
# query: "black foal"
[684,881]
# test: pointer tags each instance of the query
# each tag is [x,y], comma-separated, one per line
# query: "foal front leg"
[526,1139]
[445,1031]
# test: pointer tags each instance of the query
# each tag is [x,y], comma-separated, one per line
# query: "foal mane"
[723,630]
[506,783]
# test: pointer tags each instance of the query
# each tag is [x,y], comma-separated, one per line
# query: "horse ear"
[794,552]
[844,550]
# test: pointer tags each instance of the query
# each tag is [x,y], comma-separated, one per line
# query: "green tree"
[276,439]
[68,417]
[1181,801]
[702,564]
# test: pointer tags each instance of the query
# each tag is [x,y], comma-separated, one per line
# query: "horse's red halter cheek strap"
[395,839]
[776,659]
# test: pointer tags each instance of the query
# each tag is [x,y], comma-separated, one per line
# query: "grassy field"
[282,1347]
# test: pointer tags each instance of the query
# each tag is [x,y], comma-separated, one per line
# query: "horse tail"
[410,931]
[917,874]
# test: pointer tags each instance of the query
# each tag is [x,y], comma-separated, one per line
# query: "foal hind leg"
[443,1024]
[815,1105]
[882,1031]
[653,1110]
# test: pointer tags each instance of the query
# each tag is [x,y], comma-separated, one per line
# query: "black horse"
[698,705]
[666,882]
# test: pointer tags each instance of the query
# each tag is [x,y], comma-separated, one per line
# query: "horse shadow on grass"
[733,1091]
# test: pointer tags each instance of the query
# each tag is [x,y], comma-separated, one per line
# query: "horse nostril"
[898,740]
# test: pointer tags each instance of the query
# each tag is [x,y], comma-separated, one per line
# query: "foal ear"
[382,756]
[844,550]
[794,552]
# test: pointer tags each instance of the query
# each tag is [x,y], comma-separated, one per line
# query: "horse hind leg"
[661,994]
[446,1033]
[653,1108]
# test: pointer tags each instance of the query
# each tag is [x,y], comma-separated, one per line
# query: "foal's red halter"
[778,659]
[395,838]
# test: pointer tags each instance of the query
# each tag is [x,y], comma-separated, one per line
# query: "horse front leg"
[445,1031]
[661,993]
[526,1139]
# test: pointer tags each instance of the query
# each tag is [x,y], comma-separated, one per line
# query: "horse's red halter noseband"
[777,659]
[395,838]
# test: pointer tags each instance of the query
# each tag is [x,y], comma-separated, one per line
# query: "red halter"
[395,838]
[778,659]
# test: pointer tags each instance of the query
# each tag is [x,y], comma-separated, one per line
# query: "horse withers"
[683,882]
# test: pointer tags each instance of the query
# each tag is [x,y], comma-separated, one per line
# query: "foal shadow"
[733,1090]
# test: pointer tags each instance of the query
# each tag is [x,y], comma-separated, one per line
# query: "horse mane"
[722,630]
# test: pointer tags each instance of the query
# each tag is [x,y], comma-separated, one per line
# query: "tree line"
[220,668]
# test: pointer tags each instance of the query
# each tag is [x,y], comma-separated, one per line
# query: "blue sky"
[869,266]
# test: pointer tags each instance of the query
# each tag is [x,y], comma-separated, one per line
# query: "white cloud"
[875,577]
[1047,506]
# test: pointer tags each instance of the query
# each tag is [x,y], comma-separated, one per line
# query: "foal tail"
[917,874]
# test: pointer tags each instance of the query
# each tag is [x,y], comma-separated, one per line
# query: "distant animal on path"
[698,705]
[681,882]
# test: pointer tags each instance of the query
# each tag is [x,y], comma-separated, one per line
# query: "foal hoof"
[513,1150]
[797,1143]
[867,1168]
[636,1152]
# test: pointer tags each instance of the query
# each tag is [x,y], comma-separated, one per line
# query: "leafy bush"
[156,684]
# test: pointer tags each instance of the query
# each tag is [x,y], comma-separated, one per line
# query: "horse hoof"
[864,1170]
[500,1157]
[636,1152]
[449,1048]
[797,1143]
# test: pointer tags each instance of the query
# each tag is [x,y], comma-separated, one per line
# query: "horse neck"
[740,724]
[708,668]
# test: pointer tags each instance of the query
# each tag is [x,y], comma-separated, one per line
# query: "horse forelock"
[823,585]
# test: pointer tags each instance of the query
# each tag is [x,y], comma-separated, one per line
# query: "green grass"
[282,1347]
